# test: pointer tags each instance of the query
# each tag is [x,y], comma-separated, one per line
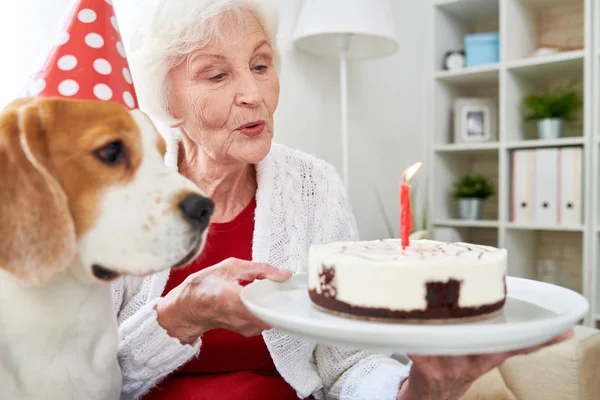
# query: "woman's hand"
[449,377]
[210,299]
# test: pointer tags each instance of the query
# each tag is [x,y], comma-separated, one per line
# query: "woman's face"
[226,93]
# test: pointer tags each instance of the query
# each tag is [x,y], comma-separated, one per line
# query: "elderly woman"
[206,71]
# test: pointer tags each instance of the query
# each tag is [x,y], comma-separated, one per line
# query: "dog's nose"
[102,273]
[198,209]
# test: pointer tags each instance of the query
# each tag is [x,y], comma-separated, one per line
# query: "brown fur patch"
[86,127]
[161,145]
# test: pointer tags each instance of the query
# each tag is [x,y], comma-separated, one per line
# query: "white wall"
[390,93]
[26,28]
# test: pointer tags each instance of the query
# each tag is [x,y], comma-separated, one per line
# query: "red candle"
[405,214]
[406,225]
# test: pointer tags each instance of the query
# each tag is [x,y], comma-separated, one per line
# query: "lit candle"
[405,212]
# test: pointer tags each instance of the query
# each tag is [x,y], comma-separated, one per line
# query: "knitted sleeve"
[146,352]
[349,373]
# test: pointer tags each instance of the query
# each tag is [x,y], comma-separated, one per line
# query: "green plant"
[474,185]
[560,103]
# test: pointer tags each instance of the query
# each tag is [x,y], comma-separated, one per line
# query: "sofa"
[566,371]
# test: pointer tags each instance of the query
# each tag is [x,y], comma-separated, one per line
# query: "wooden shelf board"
[459,223]
[484,75]
[538,143]
[557,228]
[470,10]
[560,65]
[544,4]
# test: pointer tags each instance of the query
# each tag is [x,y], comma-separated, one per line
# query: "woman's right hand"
[450,377]
[210,299]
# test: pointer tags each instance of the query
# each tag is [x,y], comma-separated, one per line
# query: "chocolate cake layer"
[442,303]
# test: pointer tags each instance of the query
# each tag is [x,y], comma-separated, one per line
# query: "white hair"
[158,34]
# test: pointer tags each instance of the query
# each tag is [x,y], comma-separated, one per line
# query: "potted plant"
[550,109]
[471,191]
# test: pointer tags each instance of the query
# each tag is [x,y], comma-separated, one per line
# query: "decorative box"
[482,49]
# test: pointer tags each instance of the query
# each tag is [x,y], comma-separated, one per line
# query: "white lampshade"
[369,24]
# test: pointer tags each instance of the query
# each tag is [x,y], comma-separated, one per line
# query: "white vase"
[469,208]
[550,128]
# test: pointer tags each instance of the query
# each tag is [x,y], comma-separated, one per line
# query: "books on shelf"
[547,186]
[522,186]
[571,184]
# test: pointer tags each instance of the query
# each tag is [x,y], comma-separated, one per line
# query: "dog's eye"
[113,153]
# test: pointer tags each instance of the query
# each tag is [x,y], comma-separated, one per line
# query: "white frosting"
[381,274]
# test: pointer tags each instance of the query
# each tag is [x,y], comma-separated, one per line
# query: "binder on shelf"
[570,186]
[546,186]
[523,186]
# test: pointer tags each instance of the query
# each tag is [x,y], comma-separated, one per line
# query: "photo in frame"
[475,120]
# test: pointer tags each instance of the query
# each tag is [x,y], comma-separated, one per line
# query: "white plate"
[534,312]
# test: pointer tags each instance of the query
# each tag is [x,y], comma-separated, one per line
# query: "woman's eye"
[111,154]
[260,68]
[217,77]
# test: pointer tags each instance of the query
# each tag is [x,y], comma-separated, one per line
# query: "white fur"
[59,341]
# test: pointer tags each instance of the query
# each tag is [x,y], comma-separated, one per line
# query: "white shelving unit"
[523,25]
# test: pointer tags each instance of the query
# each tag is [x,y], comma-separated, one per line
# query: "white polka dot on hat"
[115,24]
[103,67]
[62,38]
[86,15]
[102,91]
[37,86]
[88,60]
[67,63]
[68,87]
[127,75]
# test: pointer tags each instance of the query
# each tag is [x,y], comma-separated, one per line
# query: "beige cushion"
[567,371]
[490,386]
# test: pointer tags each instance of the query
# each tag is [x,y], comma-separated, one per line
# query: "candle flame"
[411,170]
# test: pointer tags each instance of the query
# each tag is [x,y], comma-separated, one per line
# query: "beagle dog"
[84,198]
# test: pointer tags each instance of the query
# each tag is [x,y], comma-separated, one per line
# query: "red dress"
[229,366]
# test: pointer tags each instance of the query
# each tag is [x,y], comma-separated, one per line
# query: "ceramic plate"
[534,312]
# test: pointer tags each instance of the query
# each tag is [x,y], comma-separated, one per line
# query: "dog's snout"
[198,209]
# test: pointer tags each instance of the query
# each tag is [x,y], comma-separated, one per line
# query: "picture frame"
[475,120]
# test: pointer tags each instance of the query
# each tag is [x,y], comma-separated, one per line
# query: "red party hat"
[87,61]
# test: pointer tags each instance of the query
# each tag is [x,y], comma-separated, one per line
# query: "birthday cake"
[427,281]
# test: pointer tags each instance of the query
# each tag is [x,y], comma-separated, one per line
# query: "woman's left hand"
[449,377]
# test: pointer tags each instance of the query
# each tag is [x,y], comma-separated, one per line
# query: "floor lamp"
[346,29]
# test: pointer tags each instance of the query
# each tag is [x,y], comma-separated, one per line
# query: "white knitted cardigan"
[300,200]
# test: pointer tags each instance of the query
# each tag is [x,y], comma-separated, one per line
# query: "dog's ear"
[37,233]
